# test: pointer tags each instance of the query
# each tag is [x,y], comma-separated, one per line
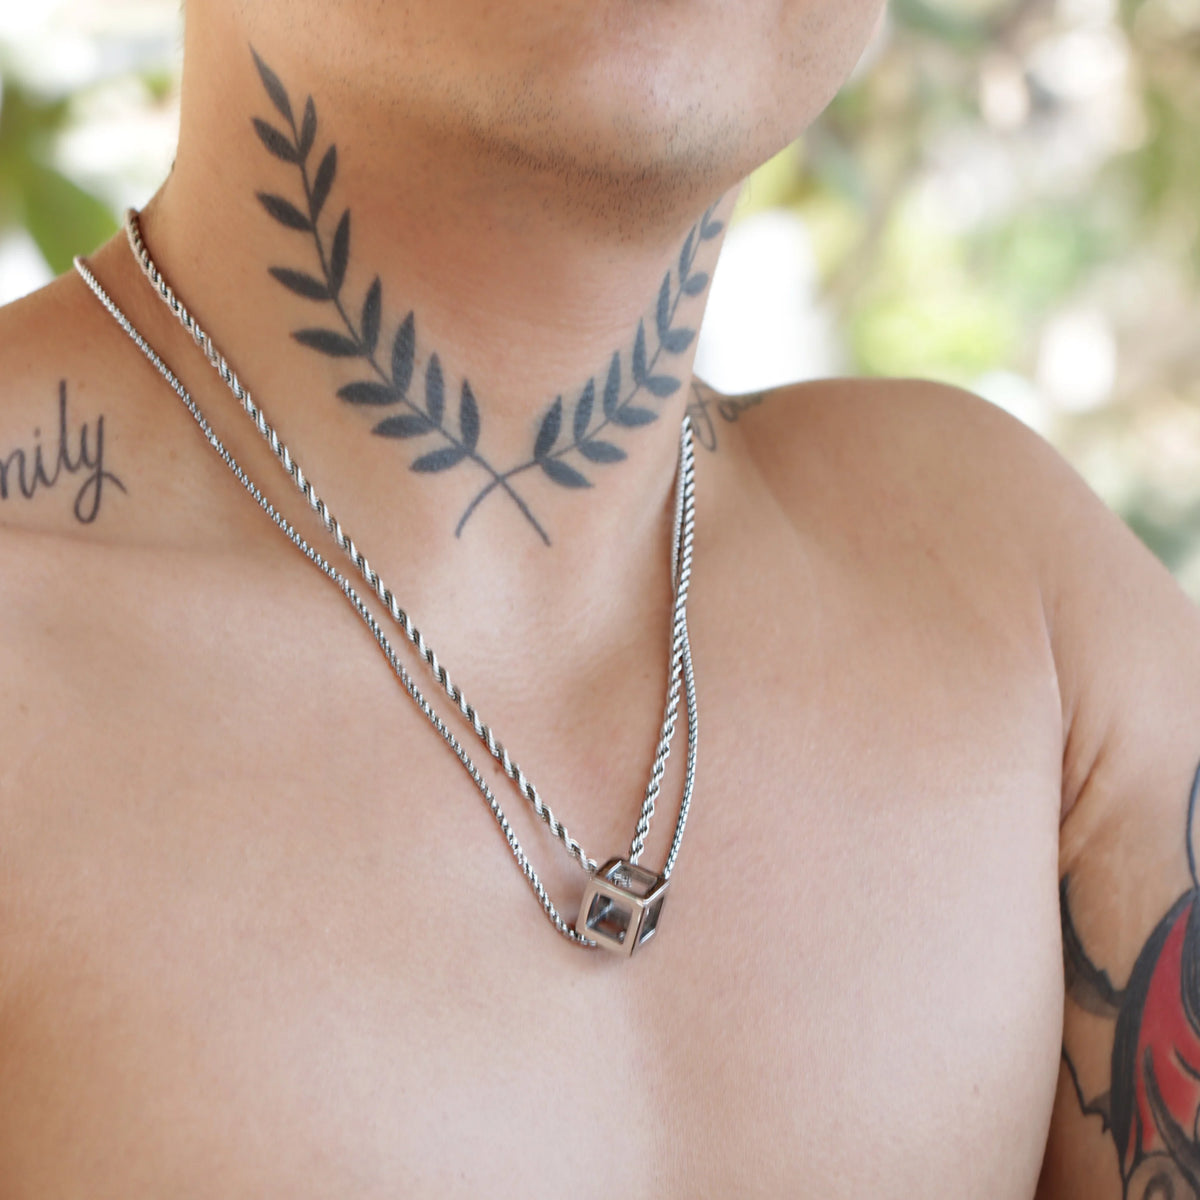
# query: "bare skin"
[260,936]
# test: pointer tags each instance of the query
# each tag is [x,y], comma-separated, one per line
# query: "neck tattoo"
[573,435]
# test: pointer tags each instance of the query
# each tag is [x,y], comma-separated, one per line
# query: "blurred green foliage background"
[1006,195]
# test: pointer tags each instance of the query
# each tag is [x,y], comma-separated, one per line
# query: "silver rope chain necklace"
[622,901]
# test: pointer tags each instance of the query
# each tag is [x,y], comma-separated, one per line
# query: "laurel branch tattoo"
[391,381]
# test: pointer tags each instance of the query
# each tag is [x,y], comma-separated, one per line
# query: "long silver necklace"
[622,901]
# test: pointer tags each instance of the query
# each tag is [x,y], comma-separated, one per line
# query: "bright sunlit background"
[1006,196]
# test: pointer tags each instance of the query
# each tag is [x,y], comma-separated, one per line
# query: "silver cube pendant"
[621,906]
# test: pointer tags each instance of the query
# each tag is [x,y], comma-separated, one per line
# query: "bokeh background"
[1005,196]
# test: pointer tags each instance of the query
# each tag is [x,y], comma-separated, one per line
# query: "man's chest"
[261,936]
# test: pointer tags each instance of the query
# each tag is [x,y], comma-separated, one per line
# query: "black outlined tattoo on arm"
[1152,1107]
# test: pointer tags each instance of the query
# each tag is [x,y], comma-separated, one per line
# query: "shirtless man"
[259,936]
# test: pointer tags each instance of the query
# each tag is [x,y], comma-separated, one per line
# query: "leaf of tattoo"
[639,355]
[548,433]
[598,451]
[468,418]
[662,315]
[327,341]
[440,460]
[685,254]
[339,256]
[322,183]
[612,386]
[630,415]
[660,385]
[301,283]
[563,474]
[369,323]
[276,142]
[285,212]
[308,129]
[274,87]
[403,351]
[435,392]
[676,341]
[404,425]
[367,391]
[583,409]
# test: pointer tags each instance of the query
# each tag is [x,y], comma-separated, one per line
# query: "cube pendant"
[621,906]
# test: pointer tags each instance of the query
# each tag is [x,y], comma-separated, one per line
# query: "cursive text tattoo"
[705,403]
[567,439]
[25,470]
[1152,1106]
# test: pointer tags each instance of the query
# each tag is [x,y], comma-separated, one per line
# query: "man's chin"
[637,174]
[622,153]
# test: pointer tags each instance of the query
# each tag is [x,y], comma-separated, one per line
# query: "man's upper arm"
[1126,645]
[1125,642]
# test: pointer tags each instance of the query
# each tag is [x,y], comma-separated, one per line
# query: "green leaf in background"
[945,23]
[950,335]
[62,218]
[1037,256]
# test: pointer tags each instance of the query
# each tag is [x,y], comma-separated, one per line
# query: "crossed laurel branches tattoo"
[421,411]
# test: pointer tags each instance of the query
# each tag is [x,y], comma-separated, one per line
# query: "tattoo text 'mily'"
[25,470]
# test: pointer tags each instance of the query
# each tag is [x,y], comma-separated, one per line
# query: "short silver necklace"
[622,901]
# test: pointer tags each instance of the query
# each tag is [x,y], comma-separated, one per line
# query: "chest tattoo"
[44,462]
[708,409]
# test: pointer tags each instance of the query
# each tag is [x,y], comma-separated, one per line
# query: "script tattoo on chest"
[42,465]
[577,435]
[707,407]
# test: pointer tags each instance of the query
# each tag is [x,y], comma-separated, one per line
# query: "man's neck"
[489,378]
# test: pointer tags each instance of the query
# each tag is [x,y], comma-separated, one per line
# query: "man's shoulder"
[903,453]
[39,341]
[55,448]
[52,330]
[959,484]
[85,441]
